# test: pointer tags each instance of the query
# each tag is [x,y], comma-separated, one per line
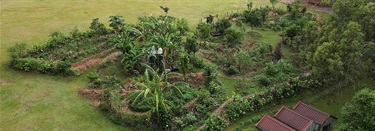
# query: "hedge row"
[240,106]
[43,66]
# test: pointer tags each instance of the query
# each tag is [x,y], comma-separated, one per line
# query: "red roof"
[268,123]
[311,112]
[293,119]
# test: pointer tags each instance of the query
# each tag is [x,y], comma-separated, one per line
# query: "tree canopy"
[358,114]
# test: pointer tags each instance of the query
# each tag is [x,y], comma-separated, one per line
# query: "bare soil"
[96,59]
[248,45]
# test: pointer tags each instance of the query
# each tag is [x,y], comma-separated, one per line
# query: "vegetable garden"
[159,74]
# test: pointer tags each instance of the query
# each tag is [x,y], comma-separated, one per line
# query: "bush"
[280,10]
[197,62]
[216,123]
[263,80]
[136,122]
[43,66]
[188,120]
[205,104]
[97,27]
[255,17]
[239,106]
[233,38]
[222,25]
[210,75]
[271,70]
[232,70]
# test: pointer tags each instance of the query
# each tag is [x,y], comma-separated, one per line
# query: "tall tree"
[336,60]
[358,114]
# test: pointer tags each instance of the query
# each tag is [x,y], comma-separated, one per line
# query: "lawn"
[31,101]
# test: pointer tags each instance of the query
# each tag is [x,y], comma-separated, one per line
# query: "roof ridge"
[311,107]
[276,121]
[310,121]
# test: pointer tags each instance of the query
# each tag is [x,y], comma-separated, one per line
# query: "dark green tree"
[337,60]
[358,114]
[191,45]
[233,38]
[116,22]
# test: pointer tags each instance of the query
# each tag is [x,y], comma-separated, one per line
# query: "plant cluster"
[216,123]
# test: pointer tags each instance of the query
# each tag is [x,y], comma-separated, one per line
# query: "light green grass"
[30,101]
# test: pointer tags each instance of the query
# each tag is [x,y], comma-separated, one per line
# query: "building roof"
[268,123]
[293,119]
[311,112]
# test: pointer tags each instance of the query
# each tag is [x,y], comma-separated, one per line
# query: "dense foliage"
[358,113]
[340,55]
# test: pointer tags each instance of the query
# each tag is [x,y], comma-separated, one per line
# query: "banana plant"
[153,91]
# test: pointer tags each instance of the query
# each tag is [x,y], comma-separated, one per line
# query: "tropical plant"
[152,97]
[184,63]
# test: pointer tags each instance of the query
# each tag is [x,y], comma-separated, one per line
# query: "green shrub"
[263,80]
[216,123]
[197,62]
[134,121]
[97,27]
[222,25]
[205,104]
[233,38]
[188,120]
[236,108]
[271,70]
[280,10]
[231,70]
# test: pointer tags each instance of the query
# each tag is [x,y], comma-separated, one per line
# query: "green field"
[31,101]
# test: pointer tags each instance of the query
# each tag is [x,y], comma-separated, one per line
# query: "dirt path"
[93,60]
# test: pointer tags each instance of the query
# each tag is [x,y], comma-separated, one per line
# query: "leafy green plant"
[116,22]
[98,28]
[238,106]
[233,38]
[216,123]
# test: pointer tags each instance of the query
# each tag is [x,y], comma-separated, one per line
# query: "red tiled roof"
[268,123]
[311,112]
[293,119]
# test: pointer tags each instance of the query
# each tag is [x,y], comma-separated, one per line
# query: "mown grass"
[30,101]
